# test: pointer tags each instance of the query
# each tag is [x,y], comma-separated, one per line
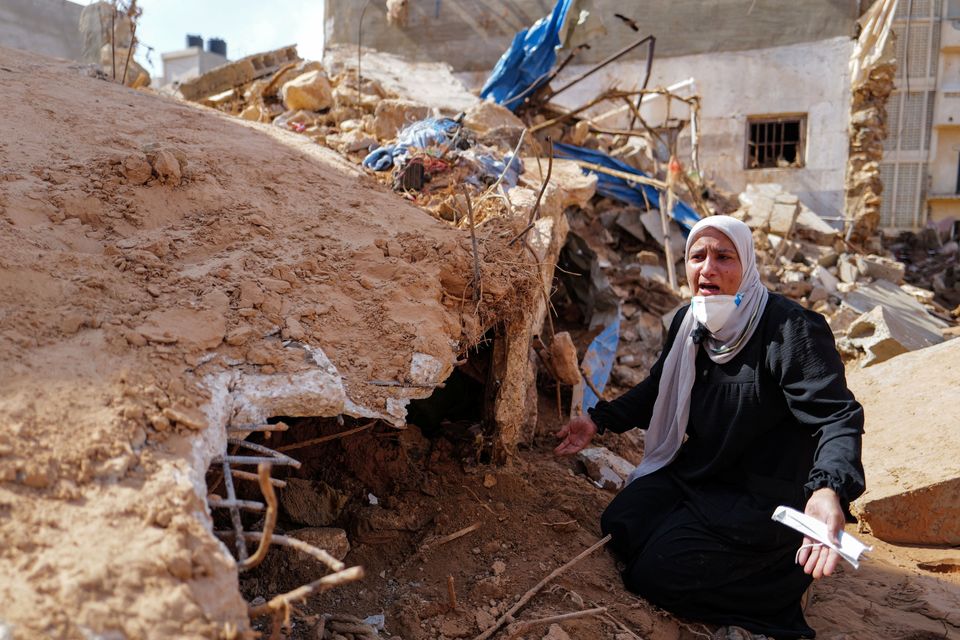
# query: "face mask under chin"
[713,312]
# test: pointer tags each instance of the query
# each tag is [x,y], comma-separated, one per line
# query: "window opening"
[775,142]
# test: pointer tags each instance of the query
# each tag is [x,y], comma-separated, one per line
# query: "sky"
[248,26]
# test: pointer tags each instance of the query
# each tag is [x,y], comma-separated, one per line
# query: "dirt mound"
[166,270]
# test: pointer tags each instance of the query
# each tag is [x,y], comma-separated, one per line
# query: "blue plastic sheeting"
[420,135]
[619,189]
[598,361]
[530,57]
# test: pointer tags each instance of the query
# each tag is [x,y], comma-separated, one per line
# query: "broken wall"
[473,35]
[872,68]
[810,78]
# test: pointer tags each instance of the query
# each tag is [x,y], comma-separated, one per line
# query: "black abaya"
[766,428]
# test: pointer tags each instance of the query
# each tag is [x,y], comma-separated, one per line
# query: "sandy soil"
[535,516]
[154,256]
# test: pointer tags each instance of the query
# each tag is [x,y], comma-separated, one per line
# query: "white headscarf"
[672,408]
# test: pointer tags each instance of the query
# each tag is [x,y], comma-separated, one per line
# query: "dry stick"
[621,626]
[533,591]
[473,241]
[335,436]
[525,625]
[557,524]
[600,65]
[113,38]
[665,216]
[133,40]
[451,592]
[646,75]
[590,384]
[317,586]
[280,426]
[482,503]
[430,544]
[786,238]
[623,175]
[569,114]
[263,471]
[360,49]
[535,211]
[643,123]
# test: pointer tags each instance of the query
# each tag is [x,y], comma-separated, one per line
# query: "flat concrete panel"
[471,35]
[47,27]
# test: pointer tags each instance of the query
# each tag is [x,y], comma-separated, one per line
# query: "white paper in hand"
[850,548]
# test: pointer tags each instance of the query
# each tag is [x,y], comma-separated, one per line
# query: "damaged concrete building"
[772,110]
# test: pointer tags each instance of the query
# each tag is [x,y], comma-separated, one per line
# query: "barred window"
[776,141]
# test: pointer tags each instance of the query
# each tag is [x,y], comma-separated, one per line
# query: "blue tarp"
[619,189]
[598,361]
[530,57]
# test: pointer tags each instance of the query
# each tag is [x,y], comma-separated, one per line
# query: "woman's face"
[713,266]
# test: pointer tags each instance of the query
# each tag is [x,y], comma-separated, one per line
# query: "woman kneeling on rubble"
[746,409]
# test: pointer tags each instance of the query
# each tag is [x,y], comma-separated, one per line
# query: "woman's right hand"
[576,435]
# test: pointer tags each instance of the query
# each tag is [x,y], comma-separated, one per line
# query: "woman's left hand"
[820,561]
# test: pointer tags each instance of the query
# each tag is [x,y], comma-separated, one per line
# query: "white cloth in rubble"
[668,425]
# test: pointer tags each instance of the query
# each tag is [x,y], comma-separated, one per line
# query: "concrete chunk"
[908,320]
[310,91]
[233,74]
[881,268]
[604,467]
[392,115]
[879,335]
[910,446]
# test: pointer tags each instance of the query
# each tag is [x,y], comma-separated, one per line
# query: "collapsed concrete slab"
[905,318]
[429,83]
[233,74]
[910,446]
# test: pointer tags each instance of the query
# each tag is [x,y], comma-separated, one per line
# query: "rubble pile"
[873,311]
[429,153]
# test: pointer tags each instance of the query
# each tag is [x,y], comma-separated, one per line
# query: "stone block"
[236,73]
[849,271]
[310,91]
[825,279]
[392,115]
[910,446]
[880,268]
[563,354]
[605,468]
[485,116]
[878,334]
